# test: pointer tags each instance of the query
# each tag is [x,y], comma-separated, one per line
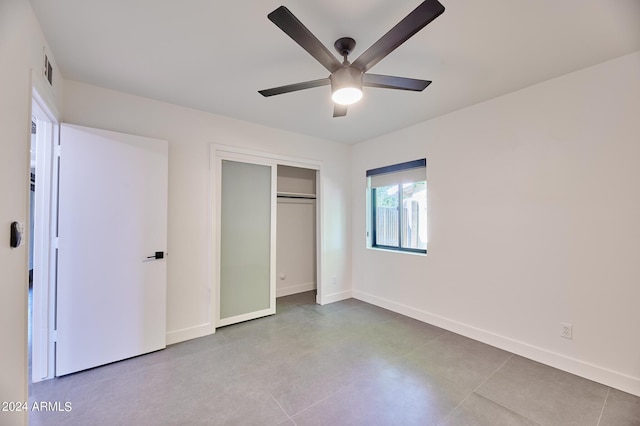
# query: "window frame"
[372,206]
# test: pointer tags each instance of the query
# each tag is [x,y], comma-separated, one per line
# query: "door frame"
[220,152]
[44,240]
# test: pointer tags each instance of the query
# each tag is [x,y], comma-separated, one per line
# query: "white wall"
[534,203]
[21,51]
[190,134]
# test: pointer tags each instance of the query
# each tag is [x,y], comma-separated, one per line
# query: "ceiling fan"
[347,79]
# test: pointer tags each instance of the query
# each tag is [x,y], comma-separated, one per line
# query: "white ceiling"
[215,56]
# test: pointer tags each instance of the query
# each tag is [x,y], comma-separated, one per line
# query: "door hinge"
[54,336]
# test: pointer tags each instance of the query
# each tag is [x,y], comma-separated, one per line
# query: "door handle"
[158,255]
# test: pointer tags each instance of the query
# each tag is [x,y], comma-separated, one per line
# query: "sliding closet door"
[247,206]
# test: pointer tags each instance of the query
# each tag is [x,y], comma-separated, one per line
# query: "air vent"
[47,70]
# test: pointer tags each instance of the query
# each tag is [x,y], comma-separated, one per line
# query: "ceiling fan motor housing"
[347,78]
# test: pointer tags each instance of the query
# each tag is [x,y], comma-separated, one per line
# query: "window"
[398,207]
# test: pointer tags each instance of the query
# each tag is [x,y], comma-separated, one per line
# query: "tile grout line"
[604,404]
[321,400]
[318,402]
[475,391]
[445,418]
[283,410]
[437,374]
[494,372]
[509,409]
[428,342]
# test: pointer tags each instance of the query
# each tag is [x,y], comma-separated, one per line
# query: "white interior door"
[247,226]
[111,290]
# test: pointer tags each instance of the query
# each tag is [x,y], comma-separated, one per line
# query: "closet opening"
[296,244]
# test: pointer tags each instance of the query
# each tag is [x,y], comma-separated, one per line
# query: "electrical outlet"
[334,281]
[566,330]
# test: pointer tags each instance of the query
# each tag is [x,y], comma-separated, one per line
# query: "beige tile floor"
[348,363]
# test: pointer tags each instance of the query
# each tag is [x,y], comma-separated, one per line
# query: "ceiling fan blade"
[295,87]
[339,110]
[295,29]
[392,82]
[405,29]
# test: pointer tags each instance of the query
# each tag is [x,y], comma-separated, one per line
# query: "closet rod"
[296,195]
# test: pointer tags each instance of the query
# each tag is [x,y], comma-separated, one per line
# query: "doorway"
[42,236]
[296,252]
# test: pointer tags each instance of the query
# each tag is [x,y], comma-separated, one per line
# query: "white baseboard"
[584,369]
[294,289]
[184,334]
[335,297]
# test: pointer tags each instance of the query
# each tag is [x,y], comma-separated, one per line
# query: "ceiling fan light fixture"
[346,86]
[347,95]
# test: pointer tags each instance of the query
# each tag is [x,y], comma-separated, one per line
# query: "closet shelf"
[296,195]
